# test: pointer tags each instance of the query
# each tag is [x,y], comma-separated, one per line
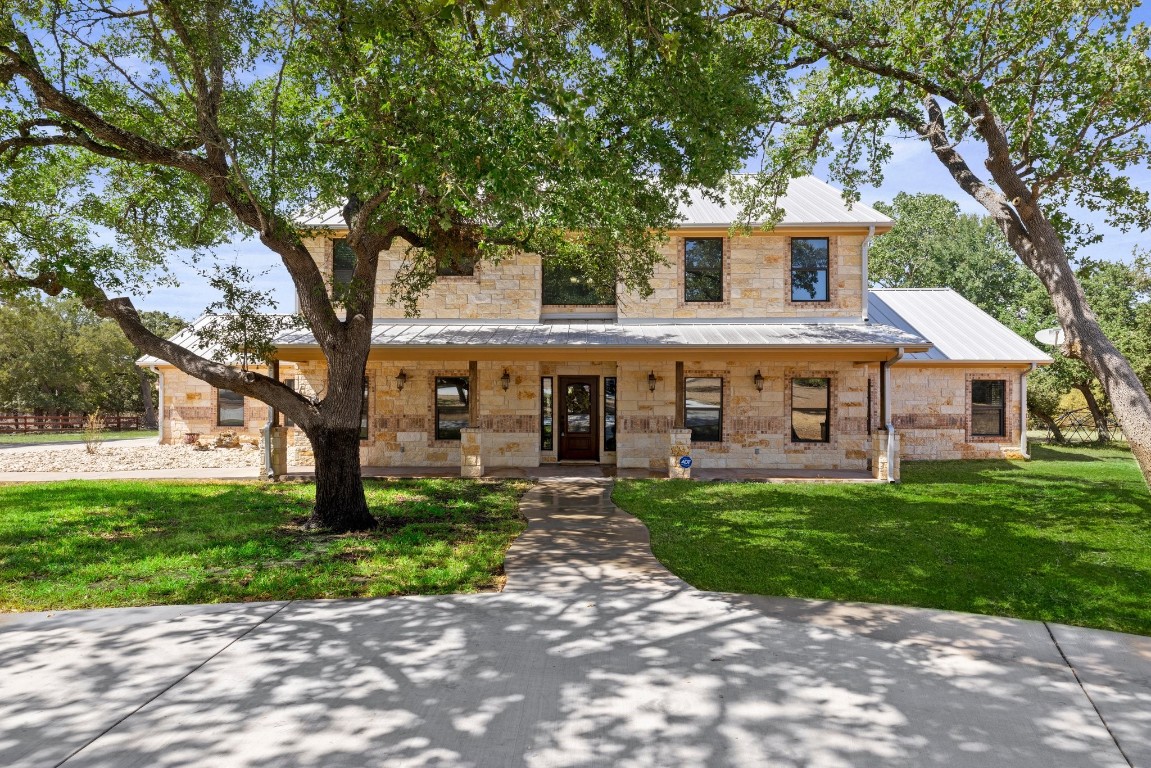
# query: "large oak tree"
[451,126]
[1033,108]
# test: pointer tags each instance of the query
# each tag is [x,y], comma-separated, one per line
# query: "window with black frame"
[455,264]
[989,408]
[547,432]
[810,410]
[809,268]
[343,262]
[364,412]
[564,285]
[703,408]
[451,406]
[229,408]
[609,413]
[290,384]
[703,269]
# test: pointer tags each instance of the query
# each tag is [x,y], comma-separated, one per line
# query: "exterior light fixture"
[758,381]
[651,382]
[506,380]
[401,380]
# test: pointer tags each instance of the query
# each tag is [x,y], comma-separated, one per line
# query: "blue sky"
[912,169]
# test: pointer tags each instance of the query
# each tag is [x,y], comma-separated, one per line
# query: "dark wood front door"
[578,418]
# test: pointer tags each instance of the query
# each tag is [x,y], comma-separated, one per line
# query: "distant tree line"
[58,357]
[933,244]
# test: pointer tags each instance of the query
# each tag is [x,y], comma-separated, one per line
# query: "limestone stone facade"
[643,425]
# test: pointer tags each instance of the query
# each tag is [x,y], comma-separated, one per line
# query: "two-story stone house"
[763,351]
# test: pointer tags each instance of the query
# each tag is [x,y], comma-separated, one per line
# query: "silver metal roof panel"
[960,331]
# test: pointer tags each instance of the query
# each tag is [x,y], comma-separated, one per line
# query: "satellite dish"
[1052,336]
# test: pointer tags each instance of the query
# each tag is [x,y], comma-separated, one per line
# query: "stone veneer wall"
[190,406]
[757,282]
[509,290]
[931,409]
[756,425]
[931,413]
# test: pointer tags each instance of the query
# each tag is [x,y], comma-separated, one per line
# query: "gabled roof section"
[961,331]
[808,202]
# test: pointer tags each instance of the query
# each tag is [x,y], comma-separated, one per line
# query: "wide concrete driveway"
[594,655]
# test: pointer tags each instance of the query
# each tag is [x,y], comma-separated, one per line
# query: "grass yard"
[87,544]
[1065,537]
[36,438]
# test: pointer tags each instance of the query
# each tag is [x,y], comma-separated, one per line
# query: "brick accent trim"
[832,275]
[836,425]
[644,425]
[431,413]
[1010,428]
[681,274]
[724,376]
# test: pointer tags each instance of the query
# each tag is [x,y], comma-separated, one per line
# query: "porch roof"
[395,339]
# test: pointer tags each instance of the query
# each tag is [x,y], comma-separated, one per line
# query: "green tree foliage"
[454,128]
[934,245]
[60,356]
[1032,107]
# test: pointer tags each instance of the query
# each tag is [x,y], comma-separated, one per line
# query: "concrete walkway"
[593,656]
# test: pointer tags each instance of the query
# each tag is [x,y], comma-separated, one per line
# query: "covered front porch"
[730,401]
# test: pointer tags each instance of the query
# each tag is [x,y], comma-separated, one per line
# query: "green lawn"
[1065,537]
[33,438]
[86,544]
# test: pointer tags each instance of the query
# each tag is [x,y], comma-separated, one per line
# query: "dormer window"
[703,269]
[343,262]
[809,266]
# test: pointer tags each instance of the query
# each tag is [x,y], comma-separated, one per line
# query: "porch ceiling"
[597,341]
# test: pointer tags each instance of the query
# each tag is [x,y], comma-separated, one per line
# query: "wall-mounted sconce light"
[651,382]
[401,380]
[758,381]
[506,380]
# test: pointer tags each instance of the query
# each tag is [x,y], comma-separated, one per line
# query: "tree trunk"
[340,502]
[1052,426]
[1097,415]
[150,421]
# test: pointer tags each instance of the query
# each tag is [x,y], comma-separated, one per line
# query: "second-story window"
[703,269]
[343,262]
[452,264]
[809,265]
[566,285]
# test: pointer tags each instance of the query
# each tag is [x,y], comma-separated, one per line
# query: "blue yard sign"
[685,462]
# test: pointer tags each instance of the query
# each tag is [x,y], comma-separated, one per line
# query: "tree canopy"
[1032,107]
[456,128]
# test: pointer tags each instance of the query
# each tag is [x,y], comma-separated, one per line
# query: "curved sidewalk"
[593,656]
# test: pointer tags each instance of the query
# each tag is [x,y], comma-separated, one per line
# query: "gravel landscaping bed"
[110,458]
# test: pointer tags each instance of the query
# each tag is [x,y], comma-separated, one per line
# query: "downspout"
[863,280]
[885,384]
[1023,410]
[160,405]
[273,420]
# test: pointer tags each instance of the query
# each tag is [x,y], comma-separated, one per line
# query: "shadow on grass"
[81,544]
[987,537]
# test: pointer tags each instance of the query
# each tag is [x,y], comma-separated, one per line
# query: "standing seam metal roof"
[610,335]
[809,201]
[961,331]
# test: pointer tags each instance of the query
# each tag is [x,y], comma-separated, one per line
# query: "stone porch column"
[879,468]
[471,452]
[279,450]
[680,446]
